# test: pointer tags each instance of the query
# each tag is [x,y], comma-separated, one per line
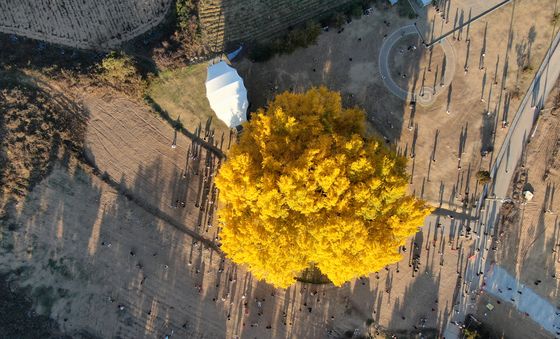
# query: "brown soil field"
[98,24]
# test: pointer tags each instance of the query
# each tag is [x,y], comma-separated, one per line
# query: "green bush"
[186,11]
[118,68]
[471,334]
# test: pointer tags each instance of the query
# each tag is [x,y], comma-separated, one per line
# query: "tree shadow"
[34,225]
[416,313]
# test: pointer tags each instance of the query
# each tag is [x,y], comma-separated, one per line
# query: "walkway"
[503,168]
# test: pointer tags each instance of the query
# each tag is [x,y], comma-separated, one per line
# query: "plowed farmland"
[82,24]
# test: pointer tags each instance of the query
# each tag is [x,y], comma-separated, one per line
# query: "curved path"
[428,96]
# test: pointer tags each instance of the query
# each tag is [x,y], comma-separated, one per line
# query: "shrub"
[555,18]
[516,92]
[470,334]
[187,13]
[483,177]
[187,42]
[527,68]
[118,68]
[339,20]
[120,71]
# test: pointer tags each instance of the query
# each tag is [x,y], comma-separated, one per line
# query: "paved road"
[502,171]
[384,68]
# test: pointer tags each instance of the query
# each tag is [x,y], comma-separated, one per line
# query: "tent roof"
[227,94]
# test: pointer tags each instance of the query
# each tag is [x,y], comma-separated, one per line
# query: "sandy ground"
[402,56]
[74,237]
[134,147]
[93,251]
[82,24]
[531,230]
[90,247]
[528,240]
[447,15]
[348,62]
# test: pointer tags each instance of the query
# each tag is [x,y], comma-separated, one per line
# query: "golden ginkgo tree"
[305,187]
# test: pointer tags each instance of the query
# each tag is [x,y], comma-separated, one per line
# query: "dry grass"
[182,94]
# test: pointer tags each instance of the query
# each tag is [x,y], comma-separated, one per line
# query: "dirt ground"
[348,62]
[90,243]
[501,318]
[531,240]
[127,249]
[88,250]
[447,15]
[409,51]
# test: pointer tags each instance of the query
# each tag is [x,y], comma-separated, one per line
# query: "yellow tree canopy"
[304,186]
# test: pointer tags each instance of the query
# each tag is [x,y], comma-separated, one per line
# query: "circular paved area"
[426,96]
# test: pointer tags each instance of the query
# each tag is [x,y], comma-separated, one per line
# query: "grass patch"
[18,318]
[182,94]
[7,245]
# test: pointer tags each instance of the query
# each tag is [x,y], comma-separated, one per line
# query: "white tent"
[227,94]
